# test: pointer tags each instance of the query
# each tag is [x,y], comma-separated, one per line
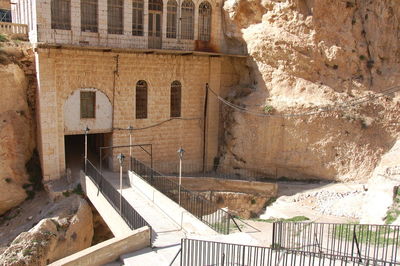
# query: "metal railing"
[359,241]
[130,216]
[13,28]
[206,210]
[199,253]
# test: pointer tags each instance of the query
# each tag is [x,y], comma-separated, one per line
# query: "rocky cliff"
[16,123]
[313,56]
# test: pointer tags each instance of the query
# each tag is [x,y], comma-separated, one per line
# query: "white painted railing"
[13,28]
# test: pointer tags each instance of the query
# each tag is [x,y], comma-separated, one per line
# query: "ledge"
[135,50]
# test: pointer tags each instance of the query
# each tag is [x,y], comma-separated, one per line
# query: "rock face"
[16,129]
[381,187]
[69,231]
[308,55]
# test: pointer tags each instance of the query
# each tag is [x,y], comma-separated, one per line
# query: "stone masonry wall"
[62,71]
[37,13]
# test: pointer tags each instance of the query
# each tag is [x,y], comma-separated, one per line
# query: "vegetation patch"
[3,38]
[35,176]
[365,234]
[394,211]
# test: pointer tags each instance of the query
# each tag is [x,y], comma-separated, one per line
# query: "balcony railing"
[13,28]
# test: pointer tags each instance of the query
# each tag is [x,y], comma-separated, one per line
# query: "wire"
[157,124]
[322,109]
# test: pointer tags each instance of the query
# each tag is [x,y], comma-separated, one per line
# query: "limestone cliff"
[307,55]
[16,125]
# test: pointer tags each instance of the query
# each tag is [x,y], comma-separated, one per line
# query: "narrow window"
[137,17]
[141,99]
[89,15]
[176,97]
[115,16]
[5,15]
[88,103]
[205,21]
[187,20]
[61,14]
[172,8]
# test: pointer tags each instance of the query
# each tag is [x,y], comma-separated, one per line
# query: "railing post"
[273,234]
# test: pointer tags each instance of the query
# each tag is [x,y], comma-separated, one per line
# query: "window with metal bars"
[89,15]
[88,103]
[172,10]
[155,5]
[205,21]
[187,20]
[137,17]
[176,98]
[61,14]
[141,99]
[115,16]
[5,15]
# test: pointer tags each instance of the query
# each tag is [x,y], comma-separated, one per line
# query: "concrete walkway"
[166,234]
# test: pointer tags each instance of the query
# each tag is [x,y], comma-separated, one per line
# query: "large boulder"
[68,231]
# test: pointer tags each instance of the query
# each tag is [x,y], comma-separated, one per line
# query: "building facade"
[113,64]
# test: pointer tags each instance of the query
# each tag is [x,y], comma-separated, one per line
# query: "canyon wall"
[313,56]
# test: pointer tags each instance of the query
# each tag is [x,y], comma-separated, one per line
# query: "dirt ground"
[320,202]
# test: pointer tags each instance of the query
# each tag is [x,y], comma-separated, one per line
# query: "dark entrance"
[75,150]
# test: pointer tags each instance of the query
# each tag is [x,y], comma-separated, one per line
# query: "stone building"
[112,64]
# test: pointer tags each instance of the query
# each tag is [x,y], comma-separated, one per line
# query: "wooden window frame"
[141,102]
[84,113]
[176,99]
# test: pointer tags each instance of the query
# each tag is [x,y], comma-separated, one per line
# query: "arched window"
[172,10]
[89,15]
[205,21]
[176,97]
[115,16]
[141,99]
[187,21]
[137,17]
[61,14]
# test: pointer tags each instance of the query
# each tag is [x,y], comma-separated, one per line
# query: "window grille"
[88,103]
[141,99]
[187,20]
[155,5]
[176,97]
[137,17]
[5,15]
[89,15]
[61,14]
[172,10]
[115,15]
[205,21]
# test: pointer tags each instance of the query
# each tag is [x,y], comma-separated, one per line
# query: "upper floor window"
[176,96]
[187,20]
[115,16]
[141,99]
[89,15]
[88,103]
[5,15]
[172,10]
[137,17]
[155,5]
[61,14]
[205,21]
